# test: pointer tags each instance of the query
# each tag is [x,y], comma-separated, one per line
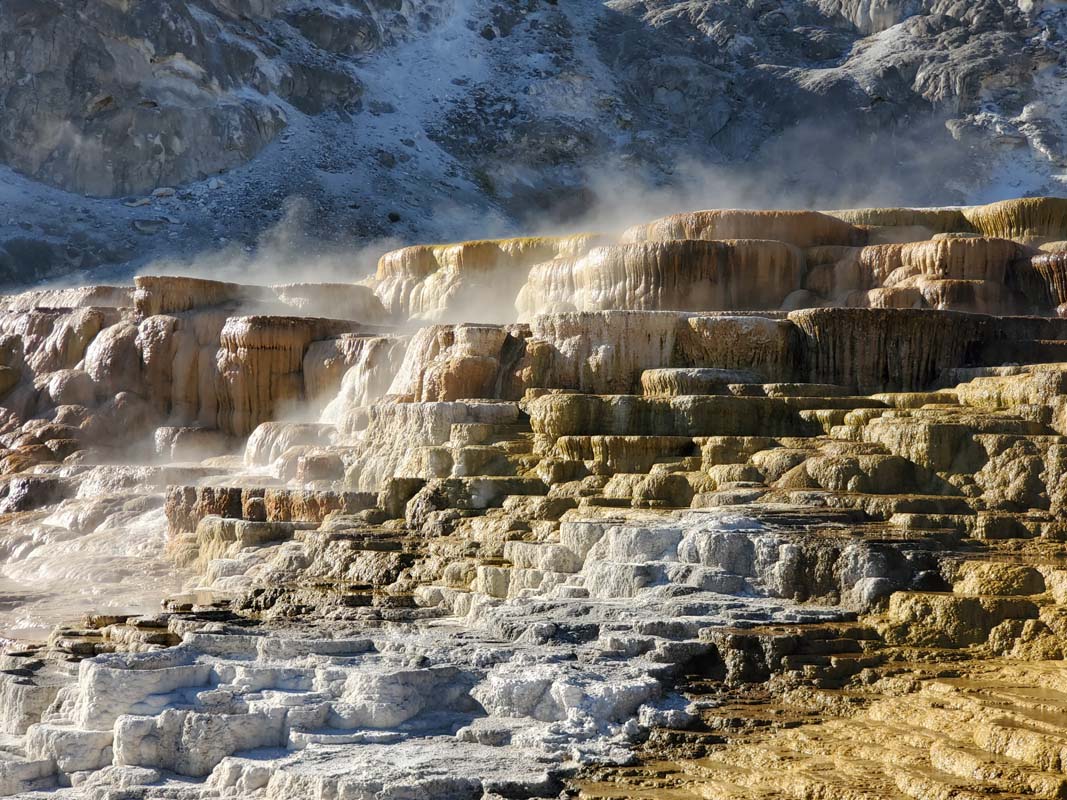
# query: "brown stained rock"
[623,453]
[259,366]
[396,431]
[721,475]
[692,380]
[9,378]
[666,490]
[939,444]
[125,420]
[799,228]
[528,507]
[993,578]
[158,342]
[219,537]
[666,275]
[452,363]
[395,494]
[1037,387]
[459,496]
[24,458]
[167,294]
[306,505]
[950,620]
[1049,278]
[952,258]
[355,557]
[191,444]
[185,506]
[579,414]
[44,430]
[889,454]
[926,220]
[66,343]
[65,387]
[322,466]
[776,462]
[1013,477]
[63,448]
[885,349]
[868,474]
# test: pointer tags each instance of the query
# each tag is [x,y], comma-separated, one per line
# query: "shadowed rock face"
[113,98]
[200,88]
[140,71]
[717,518]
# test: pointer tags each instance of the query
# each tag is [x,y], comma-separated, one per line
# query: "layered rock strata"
[699,529]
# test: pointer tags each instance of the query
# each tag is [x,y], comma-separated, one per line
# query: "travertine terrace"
[736,504]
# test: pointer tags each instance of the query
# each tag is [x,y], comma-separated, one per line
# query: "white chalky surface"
[506,698]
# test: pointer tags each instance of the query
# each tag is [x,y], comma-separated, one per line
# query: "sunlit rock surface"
[746,504]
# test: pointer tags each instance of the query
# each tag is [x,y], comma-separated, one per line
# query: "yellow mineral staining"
[1039,385]
[921,258]
[467,281]
[680,275]
[1052,270]
[953,258]
[1027,219]
[799,228]
[930,220]
[556,415]
[679,381]
[728,422]
[967,259]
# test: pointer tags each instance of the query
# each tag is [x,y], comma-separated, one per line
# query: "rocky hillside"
[135,129]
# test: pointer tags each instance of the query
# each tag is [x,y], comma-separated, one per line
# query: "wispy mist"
[287,252]
[810,166]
